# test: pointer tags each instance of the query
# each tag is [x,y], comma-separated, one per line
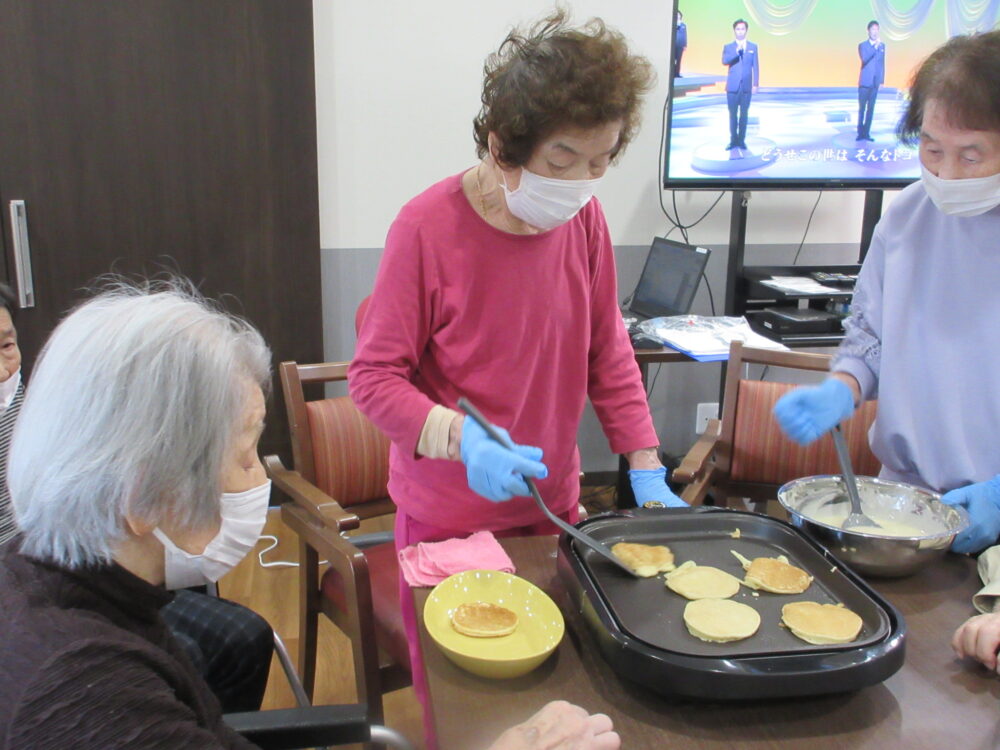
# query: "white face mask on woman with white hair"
[243,511]
[243,517]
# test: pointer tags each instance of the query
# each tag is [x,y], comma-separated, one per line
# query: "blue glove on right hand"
[495,471]
[982,501]
[650,485]
[809,412]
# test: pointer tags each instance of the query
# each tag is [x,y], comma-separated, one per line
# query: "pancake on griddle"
[720,620]
[645,560]
[483,620]
[702,582]
[821,624]
[774,574]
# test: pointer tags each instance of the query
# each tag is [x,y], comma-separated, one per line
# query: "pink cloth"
[524,326]
[429,563]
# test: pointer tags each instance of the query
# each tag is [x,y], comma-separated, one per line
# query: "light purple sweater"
[924,338]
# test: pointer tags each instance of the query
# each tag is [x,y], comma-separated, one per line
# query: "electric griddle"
[638,622]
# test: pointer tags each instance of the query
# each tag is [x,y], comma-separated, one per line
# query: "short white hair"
[130,410]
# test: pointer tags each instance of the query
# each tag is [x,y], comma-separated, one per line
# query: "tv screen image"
[807,94]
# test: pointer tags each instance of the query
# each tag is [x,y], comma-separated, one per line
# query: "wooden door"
[166,135]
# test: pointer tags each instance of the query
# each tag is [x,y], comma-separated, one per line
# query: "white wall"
[397,86]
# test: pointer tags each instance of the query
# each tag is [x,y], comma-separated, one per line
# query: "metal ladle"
[586,540]
[857,516]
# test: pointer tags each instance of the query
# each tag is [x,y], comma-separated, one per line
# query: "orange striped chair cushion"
[762,453]
[350,453]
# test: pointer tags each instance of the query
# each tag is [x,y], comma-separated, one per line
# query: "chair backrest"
[753,448]
[334,445]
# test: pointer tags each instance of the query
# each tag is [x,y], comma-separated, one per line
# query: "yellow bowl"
[539,629]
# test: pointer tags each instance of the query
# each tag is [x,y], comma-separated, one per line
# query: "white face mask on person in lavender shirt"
[970,196]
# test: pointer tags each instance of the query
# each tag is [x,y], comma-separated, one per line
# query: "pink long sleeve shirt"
[524,326]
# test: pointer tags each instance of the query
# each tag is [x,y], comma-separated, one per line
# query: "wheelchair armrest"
[364,541]
[694,463]
[308,496]
[313,726]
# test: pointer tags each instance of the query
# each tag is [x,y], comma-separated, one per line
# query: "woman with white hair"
[133,470]
[144,409]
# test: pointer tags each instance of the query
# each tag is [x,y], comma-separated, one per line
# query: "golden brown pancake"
[483,620]
[774,574]
[646,560]
[720,620]
[702,582]
[821,623]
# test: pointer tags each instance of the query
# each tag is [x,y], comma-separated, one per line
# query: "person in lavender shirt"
[923,336]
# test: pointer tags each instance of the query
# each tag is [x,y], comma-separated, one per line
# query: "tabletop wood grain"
[934,702]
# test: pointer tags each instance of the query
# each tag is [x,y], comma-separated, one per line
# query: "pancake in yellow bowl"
[538,631]
[483,620]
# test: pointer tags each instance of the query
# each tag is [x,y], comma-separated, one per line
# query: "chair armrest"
[312,726]
[303,493]
[697,458]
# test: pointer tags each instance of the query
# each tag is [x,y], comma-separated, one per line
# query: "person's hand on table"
[808,412]
[561,726]
[494,471]
[650,485]
[979,638]
[982,502]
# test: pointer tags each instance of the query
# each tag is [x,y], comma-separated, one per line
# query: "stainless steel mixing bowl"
[925,526]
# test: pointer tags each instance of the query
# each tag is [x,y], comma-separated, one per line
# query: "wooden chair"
[746,455]
[339,479]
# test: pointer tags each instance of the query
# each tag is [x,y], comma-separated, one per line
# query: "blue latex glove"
[651,484]
[493,471]
[982,501]
[811,411]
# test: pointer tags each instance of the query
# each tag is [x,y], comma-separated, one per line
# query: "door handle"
[22,254]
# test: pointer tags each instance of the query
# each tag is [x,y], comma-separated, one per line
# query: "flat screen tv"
[791,106]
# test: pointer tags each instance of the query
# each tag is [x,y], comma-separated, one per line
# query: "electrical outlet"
[705,413]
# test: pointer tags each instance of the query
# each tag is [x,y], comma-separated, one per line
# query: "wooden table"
[934,702]
[663,354]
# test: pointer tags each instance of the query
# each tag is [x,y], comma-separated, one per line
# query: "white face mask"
[243,516]
[971,196]
[8,387]
[545,202]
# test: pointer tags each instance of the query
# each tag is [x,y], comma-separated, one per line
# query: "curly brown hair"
[963,76]
[553,77]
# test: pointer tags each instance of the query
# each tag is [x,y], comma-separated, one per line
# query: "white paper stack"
[704,338]
[799,285]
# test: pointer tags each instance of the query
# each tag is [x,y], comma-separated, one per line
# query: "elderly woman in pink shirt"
[498,284]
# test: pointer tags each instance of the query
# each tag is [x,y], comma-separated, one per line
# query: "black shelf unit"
[753,297]
[746,296]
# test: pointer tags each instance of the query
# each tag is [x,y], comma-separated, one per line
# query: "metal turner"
[857,517]
[584,539]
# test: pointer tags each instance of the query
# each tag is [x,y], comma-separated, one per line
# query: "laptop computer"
[669,280]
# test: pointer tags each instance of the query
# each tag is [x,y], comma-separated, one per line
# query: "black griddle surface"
[647,610]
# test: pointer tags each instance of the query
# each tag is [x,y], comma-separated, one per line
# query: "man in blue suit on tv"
[872,54]
[744,76]
[680,43]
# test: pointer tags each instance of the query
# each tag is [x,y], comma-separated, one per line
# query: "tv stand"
[870,217]
[736,282]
